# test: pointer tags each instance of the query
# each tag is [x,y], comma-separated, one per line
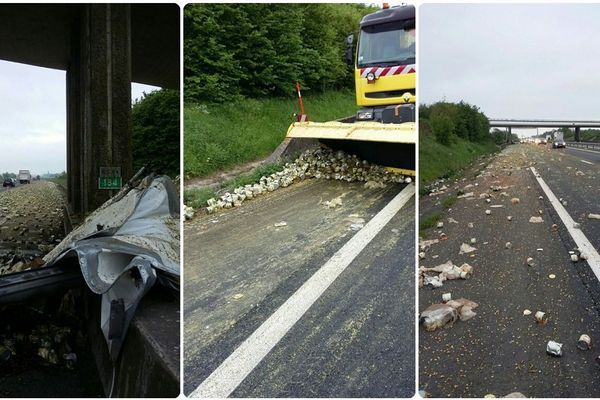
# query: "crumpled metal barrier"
[123,248]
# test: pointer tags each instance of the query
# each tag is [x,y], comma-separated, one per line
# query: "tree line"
[447,121]
[232,51]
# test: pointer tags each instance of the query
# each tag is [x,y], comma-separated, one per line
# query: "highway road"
[309,309]
[501,350]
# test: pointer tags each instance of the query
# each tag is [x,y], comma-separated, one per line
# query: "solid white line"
[587,162]
[580,239]
[227,377]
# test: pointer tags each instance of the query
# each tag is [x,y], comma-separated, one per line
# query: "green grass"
[428,223]
[218,137]
[439,161]
[449,201]
[60,180]
[197,197]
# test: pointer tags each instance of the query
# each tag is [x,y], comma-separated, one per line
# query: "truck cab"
[385,66]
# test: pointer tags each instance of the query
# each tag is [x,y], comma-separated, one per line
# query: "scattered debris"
[530,262]
[508,245]
[515,200]
[445,271]
[438,316]
[554,348]
[526,312]
[552,276]
[426,244]
[536,220]
[584,342]
[374,185]
[465,248]
[473,240]
[446,297]
[188,212]
[333,203]
[593,216]
[515,395]
[509,217]
[541,318]
[488,212]
[280,224]
[574,257]
[237,296]
[440,225]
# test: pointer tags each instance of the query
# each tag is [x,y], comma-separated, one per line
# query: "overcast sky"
[32,118]
[512,60]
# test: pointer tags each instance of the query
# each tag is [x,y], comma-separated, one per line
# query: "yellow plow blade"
[389,145]
[359,131]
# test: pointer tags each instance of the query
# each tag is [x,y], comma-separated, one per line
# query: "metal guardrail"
[585,145]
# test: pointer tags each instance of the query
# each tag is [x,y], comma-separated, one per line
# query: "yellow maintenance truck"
[383,130]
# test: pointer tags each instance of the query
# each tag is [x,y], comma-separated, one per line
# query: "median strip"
[231,373]
[578,236]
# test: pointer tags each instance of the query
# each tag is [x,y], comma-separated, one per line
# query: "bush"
[442,127]
[155,129]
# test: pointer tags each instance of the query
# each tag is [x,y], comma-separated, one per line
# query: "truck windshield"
[386,44]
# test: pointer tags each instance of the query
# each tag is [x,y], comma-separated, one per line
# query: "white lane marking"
[587,162]
[580,239]
[227,377]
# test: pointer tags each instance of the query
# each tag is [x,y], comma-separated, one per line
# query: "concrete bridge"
[102,48]
[543,123]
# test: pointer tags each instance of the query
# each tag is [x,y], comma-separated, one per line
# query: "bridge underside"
[102,48]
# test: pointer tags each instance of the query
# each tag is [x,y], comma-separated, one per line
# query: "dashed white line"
[587,162]
[578,236]
[228,376]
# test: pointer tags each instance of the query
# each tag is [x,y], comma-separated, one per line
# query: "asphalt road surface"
[355,340]
[501,350]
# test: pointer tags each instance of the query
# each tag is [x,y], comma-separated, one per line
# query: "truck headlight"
[371,77]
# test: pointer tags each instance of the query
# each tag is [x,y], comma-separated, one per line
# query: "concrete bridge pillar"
[509,135]
[577,129]
[98,102]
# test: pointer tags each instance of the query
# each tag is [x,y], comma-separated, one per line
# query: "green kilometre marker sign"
[110,178]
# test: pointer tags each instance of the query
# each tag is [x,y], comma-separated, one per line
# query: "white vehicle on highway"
[24,176]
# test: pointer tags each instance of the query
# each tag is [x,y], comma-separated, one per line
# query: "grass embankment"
[60,180]
[440,161]
[218,137]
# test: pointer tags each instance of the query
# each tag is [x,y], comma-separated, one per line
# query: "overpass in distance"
[543,123]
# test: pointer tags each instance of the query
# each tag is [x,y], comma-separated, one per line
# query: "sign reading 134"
[110,178]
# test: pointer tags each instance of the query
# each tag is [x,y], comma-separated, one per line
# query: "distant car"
[542,141]
[8,182]
[559,144]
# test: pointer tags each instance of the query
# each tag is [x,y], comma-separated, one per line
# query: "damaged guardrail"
[123,248]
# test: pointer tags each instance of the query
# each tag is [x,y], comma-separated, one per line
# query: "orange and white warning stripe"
[388,71]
